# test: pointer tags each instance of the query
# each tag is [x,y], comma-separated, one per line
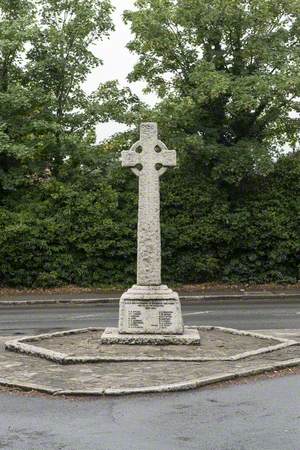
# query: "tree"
[59,61]
[16,101]
[227,74]
[51,171]
[47,122]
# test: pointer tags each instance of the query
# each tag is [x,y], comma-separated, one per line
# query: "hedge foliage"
[226,75]
[84,232]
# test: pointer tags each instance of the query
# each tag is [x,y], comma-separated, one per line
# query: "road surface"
[256,416]
[242,314]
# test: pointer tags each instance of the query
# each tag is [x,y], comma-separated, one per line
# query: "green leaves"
[46,119]
[227,76]
[237,61]
[83,231]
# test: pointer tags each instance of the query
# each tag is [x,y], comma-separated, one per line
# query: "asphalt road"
[242,314]
[257,416]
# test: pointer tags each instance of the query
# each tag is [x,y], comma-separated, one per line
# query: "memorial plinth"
[149,308]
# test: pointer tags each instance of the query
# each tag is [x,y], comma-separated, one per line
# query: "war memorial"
[151,350]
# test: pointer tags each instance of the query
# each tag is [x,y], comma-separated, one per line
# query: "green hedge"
[84,232]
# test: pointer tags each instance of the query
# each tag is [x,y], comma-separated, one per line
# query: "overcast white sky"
[118,62]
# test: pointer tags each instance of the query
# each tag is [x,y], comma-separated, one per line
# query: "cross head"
[148,155]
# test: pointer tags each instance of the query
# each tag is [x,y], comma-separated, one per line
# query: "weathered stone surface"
[161,292]
[33,373]
[149,158]
[150,309]
[189,337]
[85,345]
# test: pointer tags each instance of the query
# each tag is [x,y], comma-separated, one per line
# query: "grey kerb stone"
[87,345]
[128,368]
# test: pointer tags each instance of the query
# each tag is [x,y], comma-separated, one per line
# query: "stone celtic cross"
[149,312]
[149,158]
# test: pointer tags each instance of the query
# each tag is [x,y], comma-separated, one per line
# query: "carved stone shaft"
[149,159]
[149,244]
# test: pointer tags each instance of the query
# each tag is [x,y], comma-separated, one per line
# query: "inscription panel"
[150,316]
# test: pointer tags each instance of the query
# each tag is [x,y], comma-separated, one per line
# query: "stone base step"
[189,337]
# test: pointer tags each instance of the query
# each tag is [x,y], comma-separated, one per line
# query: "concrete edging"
[20,345]
[175,387]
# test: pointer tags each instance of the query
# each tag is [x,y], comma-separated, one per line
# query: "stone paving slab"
[115,378]
[85,345]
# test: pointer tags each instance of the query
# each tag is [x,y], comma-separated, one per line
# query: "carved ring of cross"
[159,144]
